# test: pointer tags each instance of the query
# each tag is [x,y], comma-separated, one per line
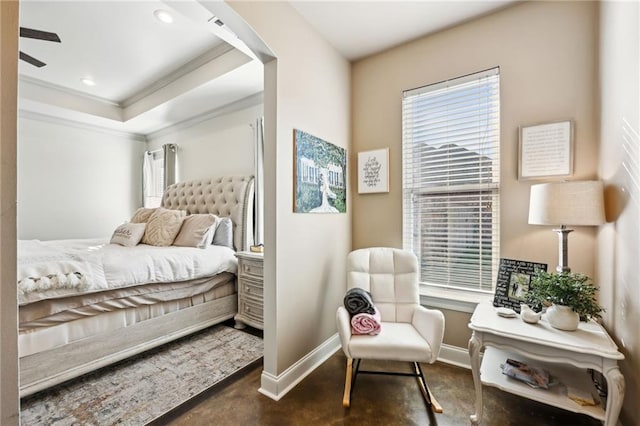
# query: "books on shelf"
[540,378]
[533,376]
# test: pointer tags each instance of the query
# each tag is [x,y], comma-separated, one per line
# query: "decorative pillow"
[128,234]
[142,215]
[224,233]
[197,231]
[163,227]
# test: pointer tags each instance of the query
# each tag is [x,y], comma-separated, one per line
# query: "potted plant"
[569,298]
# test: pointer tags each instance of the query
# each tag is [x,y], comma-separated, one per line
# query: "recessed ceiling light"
[88,81]
[163,16]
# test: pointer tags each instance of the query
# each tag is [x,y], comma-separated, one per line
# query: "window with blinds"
[451,180]
[153,178]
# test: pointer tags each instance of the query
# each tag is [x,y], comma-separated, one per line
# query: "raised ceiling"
[148,74]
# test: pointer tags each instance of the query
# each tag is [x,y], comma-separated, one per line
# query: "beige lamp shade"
[577,203]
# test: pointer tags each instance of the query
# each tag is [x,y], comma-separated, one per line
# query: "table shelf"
[491,375]
[567,356]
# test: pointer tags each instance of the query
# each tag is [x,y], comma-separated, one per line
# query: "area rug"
[143,388]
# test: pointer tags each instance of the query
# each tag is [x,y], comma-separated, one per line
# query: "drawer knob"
[248,309]
[247,289]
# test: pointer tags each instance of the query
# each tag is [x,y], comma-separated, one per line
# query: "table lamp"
[576,203]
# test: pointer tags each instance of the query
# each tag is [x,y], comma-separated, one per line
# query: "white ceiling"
[150,75]
[360,28]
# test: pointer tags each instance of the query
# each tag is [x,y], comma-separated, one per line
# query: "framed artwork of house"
[320,170]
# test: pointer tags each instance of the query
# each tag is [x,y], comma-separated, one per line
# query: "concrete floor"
[376,400]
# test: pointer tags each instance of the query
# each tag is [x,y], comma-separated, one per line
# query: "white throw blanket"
[54,269]
[48,267]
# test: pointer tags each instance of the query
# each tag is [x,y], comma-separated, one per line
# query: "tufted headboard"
[230,196]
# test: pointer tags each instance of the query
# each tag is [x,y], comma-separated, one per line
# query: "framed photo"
[514,277]
[546,150]
[373,171]
[320,172]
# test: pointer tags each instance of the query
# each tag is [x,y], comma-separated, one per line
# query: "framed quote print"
[373,171]
[546,151]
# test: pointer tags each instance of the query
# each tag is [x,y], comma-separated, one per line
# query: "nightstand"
[250,290]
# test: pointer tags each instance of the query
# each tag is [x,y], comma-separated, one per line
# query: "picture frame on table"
[546,150]
[514,278]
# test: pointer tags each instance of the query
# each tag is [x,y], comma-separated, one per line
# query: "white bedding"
[103,266]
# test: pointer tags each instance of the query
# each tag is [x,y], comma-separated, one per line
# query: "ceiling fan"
[38,35]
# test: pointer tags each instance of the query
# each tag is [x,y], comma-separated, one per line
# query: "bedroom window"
[451,183]
[153,177]
[159,171]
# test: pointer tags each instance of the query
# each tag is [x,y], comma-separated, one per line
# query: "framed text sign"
[546,150]
[373,171]
[514,277]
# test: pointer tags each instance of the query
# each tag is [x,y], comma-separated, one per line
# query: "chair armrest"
[343,321]
[430,325]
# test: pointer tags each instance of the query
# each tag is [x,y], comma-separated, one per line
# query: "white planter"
[562,317]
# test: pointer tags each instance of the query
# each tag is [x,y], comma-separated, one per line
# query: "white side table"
[565,354]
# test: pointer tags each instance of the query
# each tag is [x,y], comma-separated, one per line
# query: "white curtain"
[258,236]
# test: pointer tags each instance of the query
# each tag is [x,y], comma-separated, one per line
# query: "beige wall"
[547,53]
[219,146]
[8,137]
[75,181]
[307,88]
[619,239]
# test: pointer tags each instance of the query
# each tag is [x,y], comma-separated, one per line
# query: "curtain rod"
[172,146]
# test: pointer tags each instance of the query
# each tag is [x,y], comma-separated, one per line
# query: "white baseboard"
[454,355]
[275,387]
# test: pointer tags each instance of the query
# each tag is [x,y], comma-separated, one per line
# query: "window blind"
[451,180]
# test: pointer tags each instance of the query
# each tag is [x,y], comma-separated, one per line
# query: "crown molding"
[51,86]
[185,69]
[79,125]
[243,103]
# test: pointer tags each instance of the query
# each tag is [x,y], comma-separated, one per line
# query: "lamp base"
[563,249]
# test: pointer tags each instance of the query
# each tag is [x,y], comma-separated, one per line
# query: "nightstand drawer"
[251,288]
[251,268]
[251,309]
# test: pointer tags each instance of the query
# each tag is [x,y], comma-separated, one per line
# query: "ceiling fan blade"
[39,35]
[30,59]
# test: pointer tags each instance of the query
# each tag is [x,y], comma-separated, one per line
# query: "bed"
[107,302]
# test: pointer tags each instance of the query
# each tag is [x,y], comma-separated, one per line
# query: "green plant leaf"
[566,288]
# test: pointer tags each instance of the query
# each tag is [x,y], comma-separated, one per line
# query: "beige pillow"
[197,231]
[163,226]
[128,234]
[142,215]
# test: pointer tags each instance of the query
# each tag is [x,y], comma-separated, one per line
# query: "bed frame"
[226,196]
